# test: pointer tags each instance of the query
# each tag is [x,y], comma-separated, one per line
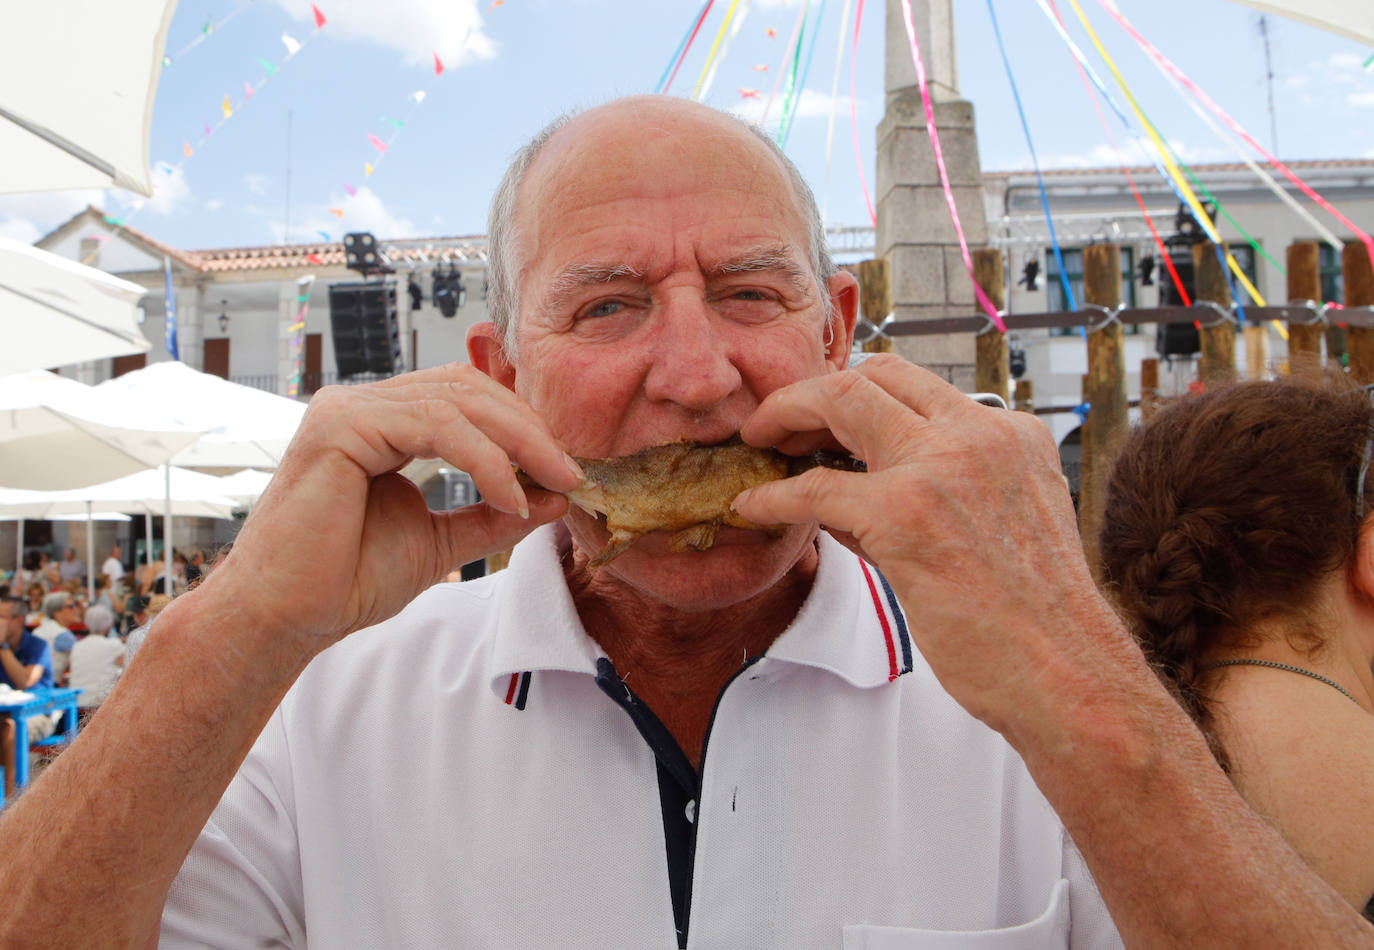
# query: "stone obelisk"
[915,232]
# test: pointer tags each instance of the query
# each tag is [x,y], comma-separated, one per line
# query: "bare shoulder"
[1302,755]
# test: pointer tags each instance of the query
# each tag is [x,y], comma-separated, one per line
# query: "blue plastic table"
[44,701]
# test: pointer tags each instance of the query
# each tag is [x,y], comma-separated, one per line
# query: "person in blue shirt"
[25,664]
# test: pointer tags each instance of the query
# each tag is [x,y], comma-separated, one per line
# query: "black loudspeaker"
[367,338]
[1177,339]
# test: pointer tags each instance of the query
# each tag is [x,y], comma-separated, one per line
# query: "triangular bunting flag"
[352,192]
[377,143]
[226,107]
[270,67]
[325,235]
[314,258]
[247,89]
[186,149]
[438,65]
[292,45]
[337,212]
[418,95]
[367,168]
[319,17]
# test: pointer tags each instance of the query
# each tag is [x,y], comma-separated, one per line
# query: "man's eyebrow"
[776,258]
[575,278]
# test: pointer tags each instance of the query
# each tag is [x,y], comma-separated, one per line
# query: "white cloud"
[214,204]
[362,212]
[413,28]
[1361,100]
[257,184]
[811,105]
[28,217]
[170,191]
[1131,152]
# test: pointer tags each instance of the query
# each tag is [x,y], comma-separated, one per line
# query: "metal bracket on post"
[1223,314]
[990,326]
[874,331]
[1110,316]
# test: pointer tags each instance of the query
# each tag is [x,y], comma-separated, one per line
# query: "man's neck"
[677,662]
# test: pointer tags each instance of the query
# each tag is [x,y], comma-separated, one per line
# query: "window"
[1073,269]
[1333,280]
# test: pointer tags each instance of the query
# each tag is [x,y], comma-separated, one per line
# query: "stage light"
[1147,271]
[450,293]
[417,294]
[1030,275]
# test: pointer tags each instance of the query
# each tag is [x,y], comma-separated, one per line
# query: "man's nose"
[692,364]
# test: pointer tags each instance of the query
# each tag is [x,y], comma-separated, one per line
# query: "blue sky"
[511,67]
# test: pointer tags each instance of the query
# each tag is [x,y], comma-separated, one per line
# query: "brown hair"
[1227,509]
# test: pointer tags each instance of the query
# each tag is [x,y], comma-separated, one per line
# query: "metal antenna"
[1269,80]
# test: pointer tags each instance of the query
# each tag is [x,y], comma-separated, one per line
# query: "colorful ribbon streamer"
[1164,254]
[682,49]
[305,285]
[715,47]
[854,115]
[1035,161]
[790,93]
[934,134]
[1235,126]
[1201,216]
[725,50]
[789,53]
[834,104]
[791,113]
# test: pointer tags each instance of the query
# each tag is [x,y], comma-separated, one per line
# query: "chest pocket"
[1049,931]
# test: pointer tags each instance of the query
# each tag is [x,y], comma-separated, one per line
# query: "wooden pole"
[1104,391]
[1025,396]
[992,371]
[1304,283]
[1149,387]
[1359,292]
[1218,364]
[875,300]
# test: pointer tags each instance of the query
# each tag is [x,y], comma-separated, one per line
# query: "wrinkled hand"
[963,508]
[340,541]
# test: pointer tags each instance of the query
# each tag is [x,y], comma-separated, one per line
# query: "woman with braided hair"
[1237,542]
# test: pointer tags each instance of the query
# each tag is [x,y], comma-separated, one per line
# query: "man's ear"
[844,301]
[487,351]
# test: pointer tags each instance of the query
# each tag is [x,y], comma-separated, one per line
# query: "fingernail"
[742,496]
[574,467]
[522,504]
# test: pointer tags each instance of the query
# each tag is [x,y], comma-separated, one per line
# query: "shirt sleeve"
[241,884]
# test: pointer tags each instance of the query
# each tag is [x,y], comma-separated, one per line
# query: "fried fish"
[685,488]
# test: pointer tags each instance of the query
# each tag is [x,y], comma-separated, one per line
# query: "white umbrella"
[1349,18]
[77,84]
[244,487]
[55,433]
[54,311]
[172,491]
[244,427]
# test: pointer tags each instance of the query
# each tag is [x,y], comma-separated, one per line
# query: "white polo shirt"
[455,778]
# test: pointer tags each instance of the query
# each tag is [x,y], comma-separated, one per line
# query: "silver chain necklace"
[1284,666]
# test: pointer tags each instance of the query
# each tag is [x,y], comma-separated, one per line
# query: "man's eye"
[750,295]
[604,309]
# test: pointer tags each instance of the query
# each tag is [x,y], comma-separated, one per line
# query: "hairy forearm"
[1179,857]
[135,789]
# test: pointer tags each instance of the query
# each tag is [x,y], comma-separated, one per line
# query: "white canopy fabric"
[245,486]
[77,84]
[54,434]
[1353,19]
[244,427]
[54,311]
[193,494]
[95,516]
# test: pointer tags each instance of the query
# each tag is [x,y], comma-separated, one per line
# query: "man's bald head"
[504,261]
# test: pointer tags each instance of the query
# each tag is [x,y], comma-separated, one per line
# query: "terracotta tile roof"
[416,252]
[101,220]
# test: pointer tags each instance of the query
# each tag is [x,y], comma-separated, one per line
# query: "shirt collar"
[849,625]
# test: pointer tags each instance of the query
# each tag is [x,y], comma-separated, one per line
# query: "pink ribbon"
[934,134]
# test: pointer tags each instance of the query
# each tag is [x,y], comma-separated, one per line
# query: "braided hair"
[1228,509]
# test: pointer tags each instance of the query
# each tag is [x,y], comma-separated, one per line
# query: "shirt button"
[691,811]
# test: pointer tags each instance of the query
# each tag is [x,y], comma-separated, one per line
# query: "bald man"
[850,735]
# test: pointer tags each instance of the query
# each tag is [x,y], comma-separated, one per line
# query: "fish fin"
[699,537]
[619,543]
[587,508]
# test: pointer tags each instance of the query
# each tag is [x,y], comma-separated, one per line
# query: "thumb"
[466,534]
[821,494]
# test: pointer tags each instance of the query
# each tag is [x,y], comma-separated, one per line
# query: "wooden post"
[1218,364]
[1304,283]
[1025,396]
[1149,387]
[497,562]
[875,300]
[1104,389]
[1359,292]
[992,371]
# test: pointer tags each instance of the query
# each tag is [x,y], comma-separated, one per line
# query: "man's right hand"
[340,541]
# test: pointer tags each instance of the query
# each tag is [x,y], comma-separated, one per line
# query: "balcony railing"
[310,382]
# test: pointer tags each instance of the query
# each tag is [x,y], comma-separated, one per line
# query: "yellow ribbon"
[1203,220]
[711,56]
